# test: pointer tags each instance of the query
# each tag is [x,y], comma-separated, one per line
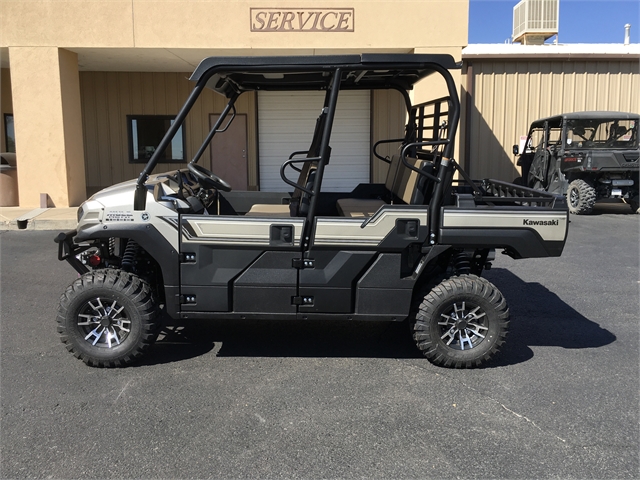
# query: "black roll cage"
[232,76]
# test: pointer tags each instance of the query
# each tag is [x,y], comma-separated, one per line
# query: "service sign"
[302,20]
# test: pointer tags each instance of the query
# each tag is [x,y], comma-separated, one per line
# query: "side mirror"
[516,150]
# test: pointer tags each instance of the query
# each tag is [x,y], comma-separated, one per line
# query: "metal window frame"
[162,157]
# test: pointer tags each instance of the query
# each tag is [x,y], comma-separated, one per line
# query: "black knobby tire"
[581,197]
[108,318]
[462,322]
[635,204]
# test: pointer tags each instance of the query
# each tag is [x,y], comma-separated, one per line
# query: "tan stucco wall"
[47,118]
[67,23]
[226,24]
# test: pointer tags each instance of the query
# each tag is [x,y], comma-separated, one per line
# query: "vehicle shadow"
[609,206]
[283,338]
[538,318]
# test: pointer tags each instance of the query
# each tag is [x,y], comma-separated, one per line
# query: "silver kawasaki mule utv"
[413,248]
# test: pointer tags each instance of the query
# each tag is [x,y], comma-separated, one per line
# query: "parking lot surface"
[275,399]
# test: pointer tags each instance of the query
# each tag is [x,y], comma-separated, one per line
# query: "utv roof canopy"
[556,120]
[234,75]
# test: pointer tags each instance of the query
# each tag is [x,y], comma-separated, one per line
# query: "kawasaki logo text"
[546,223]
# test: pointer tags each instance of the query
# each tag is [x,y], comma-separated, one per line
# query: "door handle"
[281,235]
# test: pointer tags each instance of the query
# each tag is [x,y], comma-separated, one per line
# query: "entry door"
[229,152]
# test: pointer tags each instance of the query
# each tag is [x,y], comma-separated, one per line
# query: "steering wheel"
[208,179]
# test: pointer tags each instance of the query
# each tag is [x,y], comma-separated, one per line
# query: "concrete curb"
[15,218]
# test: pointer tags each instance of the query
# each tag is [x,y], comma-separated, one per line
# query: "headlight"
[90,212]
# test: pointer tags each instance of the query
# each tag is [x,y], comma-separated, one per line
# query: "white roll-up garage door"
[286,121]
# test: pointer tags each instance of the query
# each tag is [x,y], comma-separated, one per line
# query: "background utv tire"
[108,318]
[635,204]
[462,322]
[581,197]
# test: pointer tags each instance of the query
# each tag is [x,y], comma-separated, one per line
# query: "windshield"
[535,140]
[600,133]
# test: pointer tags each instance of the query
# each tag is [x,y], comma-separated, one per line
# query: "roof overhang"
[551,52]
[143,59]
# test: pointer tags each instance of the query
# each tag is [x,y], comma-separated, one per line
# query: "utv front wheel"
[635,204]
[581,197]
[108,318]
[462,322]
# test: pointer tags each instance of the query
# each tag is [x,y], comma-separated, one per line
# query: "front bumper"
[67,250]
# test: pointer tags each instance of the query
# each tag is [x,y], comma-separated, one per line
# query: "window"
[145,134]
[602,133]
[9,133]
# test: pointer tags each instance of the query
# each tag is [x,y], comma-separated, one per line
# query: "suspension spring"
[129,256]
[462,263]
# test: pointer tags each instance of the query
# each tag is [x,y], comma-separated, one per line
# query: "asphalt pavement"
[277,399]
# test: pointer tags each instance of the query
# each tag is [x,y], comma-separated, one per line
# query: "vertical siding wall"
[388,119]
[506,96]
[107,99]
[6,103]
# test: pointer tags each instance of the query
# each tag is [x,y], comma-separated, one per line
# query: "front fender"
[156,245]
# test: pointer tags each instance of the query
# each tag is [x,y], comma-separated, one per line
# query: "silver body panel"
[113,208]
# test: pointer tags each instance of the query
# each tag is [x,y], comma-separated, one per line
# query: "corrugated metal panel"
[107,99]
[286,123]
[508,95]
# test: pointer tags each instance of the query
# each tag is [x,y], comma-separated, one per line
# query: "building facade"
[86,86]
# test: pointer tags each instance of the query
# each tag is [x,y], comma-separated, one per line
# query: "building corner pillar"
[45,87]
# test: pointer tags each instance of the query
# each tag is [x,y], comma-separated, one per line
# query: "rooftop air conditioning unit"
[534,21]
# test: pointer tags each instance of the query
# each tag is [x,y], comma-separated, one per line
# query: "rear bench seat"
[402,183]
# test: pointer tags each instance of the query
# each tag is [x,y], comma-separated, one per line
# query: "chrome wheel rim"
[463,327]
[104,322]
[574,197]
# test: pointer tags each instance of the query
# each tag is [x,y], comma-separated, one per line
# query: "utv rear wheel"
[635,204]
[462,322]
[108,318]
[581,197]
